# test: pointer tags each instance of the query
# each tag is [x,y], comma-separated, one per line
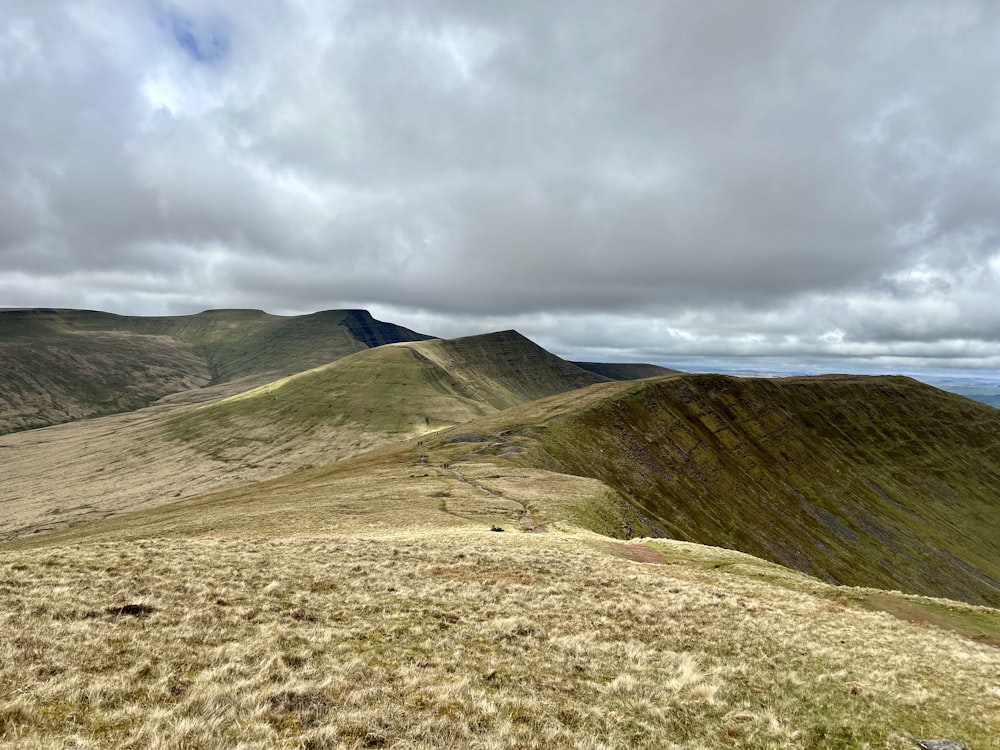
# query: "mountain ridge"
[59,365]
[385,393]
[857,479]
[626,370]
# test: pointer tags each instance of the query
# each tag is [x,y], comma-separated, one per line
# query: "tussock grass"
[459,638]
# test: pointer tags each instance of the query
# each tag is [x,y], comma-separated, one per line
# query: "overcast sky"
[790,182]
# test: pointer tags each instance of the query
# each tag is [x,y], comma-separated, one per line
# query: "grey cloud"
[714,175]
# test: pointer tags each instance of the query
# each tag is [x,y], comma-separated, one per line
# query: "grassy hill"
[379,396]
[875,481]
[60,365]
[880,482]
[59,377]
[376,397]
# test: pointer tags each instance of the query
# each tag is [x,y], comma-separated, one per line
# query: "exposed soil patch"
[635,552]
[528,524]
[928,615]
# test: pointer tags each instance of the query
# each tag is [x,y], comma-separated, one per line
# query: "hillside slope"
[380,395]
[368,604]
[60,365]
[867,481]
[505,368]
[878,481]
[57,378]
[178,449]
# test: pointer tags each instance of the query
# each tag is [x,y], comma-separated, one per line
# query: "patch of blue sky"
[202,40]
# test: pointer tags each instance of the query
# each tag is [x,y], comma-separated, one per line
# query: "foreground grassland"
[464,638]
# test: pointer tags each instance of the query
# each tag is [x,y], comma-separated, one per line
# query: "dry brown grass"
[460,638]
[381,490]
[87,470]
[93,469]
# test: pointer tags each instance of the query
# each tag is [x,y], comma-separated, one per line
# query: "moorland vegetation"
[304,558]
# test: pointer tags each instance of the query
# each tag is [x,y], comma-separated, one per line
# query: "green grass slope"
[505,368]
[868,481]
[367,603]
[238,343]
[60,365]
[62,376]
[876,481]
[235,343]
[382,395]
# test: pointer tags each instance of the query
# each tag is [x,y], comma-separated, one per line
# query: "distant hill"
[625,370]
[983,395]
[197,442]
[993,399]
[60,365]
[53,377]
[378,395]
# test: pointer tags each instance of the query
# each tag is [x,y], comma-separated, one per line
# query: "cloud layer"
[784,179]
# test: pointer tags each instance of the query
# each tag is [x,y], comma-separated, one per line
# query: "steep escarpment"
[862,480]
[625,370]
[505,368]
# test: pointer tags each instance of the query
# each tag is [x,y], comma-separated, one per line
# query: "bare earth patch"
[635,552]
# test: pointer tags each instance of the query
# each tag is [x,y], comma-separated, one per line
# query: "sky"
[772,184]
